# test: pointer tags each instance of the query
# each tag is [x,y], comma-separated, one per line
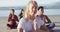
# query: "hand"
[10,22]
[35,25]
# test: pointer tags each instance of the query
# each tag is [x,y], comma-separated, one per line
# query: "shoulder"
[21,23]
[45,15]
[38,19]
[15,15]
[22,20]
[36,16]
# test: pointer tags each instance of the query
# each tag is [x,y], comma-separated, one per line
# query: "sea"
[5,13]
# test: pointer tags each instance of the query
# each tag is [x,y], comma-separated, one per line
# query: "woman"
[45,18]
[27,23]
[12,20]
[21,14]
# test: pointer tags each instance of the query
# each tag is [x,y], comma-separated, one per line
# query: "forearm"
[20,30]
[46,29]
[34,31]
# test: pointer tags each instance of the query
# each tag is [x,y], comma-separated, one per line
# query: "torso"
[40,22]
[13,20]
[43,18]
[27,26]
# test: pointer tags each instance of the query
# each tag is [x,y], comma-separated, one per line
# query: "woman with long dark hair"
[21,14]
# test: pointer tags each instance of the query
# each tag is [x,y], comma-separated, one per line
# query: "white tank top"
[40,22]
[25,26]
[29,25]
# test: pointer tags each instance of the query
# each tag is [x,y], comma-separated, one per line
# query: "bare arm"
[20,30]
[45,28]
[48,20]
[35,26]
[17,19]
[9,19]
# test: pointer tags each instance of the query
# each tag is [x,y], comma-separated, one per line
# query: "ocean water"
[52,11]
[5,13]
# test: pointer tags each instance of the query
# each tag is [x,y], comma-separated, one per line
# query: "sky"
[9,3]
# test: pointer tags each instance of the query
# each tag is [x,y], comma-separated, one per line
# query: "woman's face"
[41,11]
[22,12]
[12,12]
[32,8]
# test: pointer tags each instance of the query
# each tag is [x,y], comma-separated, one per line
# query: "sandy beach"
[3,22]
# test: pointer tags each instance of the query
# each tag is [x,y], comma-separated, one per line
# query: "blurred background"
[51,8]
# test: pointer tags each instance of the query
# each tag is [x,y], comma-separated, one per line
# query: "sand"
[3,22]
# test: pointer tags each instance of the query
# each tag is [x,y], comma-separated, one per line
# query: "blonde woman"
[26,23]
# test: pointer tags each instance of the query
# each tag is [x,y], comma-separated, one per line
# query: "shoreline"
[53,18]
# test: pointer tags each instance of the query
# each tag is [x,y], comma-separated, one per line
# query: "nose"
[34,9]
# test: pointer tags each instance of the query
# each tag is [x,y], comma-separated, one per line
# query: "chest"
[28,25]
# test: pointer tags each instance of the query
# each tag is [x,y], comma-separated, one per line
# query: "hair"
[40,7]
[10,15]
[21,11]
[13,10]
[26,12]
[20,15]
[32,2]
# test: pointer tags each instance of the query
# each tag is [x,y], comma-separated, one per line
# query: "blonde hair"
[26,12]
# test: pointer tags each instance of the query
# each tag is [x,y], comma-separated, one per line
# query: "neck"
[40,15]
[12,14]
[32,17]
